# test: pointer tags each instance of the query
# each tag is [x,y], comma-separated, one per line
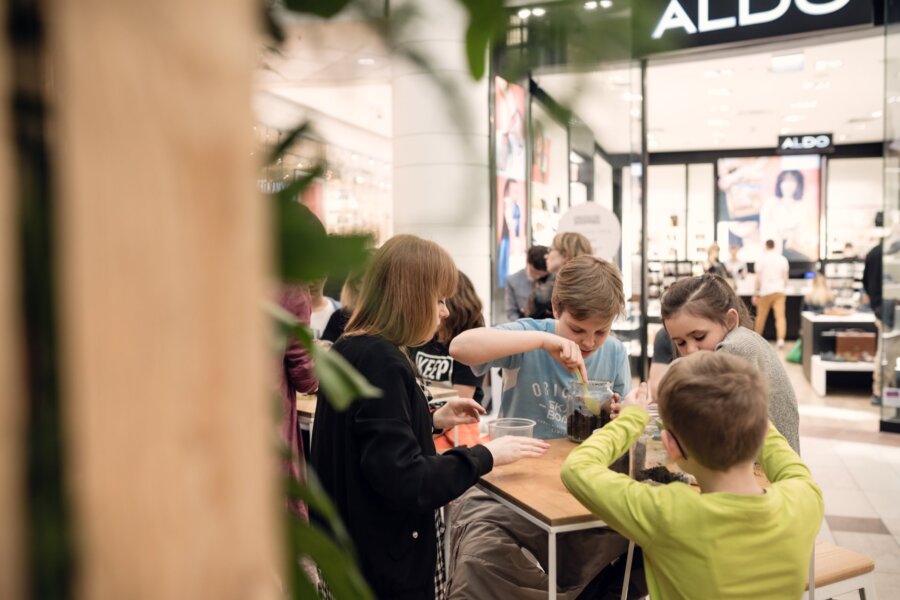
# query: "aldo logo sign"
[815,143]
[668,25]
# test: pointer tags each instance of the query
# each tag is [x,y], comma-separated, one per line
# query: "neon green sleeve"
[782,465]
[630,507]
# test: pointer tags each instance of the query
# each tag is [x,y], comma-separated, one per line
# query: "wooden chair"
[839,570]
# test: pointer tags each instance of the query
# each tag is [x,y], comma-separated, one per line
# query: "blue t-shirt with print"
[534,384]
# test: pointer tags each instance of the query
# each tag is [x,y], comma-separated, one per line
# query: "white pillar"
[441,180]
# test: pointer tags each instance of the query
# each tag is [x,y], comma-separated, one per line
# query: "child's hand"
[565,352]
[510,448]
[457,411]
[639,396]
[615,405]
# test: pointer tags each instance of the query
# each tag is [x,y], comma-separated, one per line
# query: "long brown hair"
[465,311]
[401,288]
[706,296]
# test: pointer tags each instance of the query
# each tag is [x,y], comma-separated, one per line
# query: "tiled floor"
[858,470]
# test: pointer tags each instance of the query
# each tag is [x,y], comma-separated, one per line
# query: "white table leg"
[627,579]
[552,559]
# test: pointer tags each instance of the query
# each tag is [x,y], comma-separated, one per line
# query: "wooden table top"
[533,484]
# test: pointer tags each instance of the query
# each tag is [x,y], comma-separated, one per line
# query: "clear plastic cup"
[520,427]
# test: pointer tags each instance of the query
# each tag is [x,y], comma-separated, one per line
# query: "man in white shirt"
[771,282]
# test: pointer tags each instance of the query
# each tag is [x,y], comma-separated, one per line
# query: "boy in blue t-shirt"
[539,357]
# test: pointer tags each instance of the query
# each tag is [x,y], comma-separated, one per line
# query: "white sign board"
[599,225]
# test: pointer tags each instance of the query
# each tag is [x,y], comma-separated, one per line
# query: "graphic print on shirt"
[553,398]
[434,367]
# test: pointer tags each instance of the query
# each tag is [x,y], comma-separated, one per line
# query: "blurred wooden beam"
[164,267]
[12,399]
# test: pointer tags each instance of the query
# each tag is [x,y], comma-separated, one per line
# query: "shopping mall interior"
[660,144]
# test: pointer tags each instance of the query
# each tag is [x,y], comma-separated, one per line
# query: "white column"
[441,182]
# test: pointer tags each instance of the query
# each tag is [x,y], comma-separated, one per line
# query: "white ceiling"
[342,69]
[736,101]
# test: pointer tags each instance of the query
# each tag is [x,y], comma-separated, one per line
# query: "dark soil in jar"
[659,474]
[582,423]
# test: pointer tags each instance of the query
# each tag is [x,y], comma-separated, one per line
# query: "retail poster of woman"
[511,231]
[770,198]
[509,119]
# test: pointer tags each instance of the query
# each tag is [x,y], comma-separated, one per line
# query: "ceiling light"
[816,85]
[590,5]
[575,158]
[876,114]
[365,61]
[794,118]
[804,104]
[719,92]
[787,63]
[823,65]
[524,13]
[717,123]
[842,137]
[538,12]
[606,3]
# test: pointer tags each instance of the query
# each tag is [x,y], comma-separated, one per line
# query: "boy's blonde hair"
[400,291]
[588,287]
[571,244]
[716,405]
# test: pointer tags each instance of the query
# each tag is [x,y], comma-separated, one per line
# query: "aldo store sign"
[813,143]
[668,25]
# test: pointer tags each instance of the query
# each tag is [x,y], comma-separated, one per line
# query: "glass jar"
[648,461]
[588,408]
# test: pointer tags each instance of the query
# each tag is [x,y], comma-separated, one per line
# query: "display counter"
[818,333]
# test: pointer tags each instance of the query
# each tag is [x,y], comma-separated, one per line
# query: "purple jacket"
[297,375]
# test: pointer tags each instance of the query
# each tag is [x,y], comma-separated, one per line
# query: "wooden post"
[164,265]
[12,400]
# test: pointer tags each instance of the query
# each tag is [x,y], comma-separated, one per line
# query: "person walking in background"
[713,264]
[771,283]
[820,296]
[519,285]
[736,268]
[339,318]
[872,283]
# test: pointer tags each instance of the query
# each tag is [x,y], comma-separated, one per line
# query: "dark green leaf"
[305,251]
[315,497]
[341,383]
[272,27]
[320,8]
[341,573]
[292,136]
[487,23]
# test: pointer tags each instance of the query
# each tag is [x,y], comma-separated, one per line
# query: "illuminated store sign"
[815,143]
[677,24]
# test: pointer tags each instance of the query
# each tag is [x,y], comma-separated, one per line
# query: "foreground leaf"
[305,251]
[320,8]
[487,23]
[341,383]
[338,567]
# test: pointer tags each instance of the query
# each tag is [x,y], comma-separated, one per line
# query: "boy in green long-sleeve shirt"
[735,539]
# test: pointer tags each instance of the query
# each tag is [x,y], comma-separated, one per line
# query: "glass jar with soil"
[588,408]
[648,458]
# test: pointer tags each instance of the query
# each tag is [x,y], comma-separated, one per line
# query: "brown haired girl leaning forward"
[377,459]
